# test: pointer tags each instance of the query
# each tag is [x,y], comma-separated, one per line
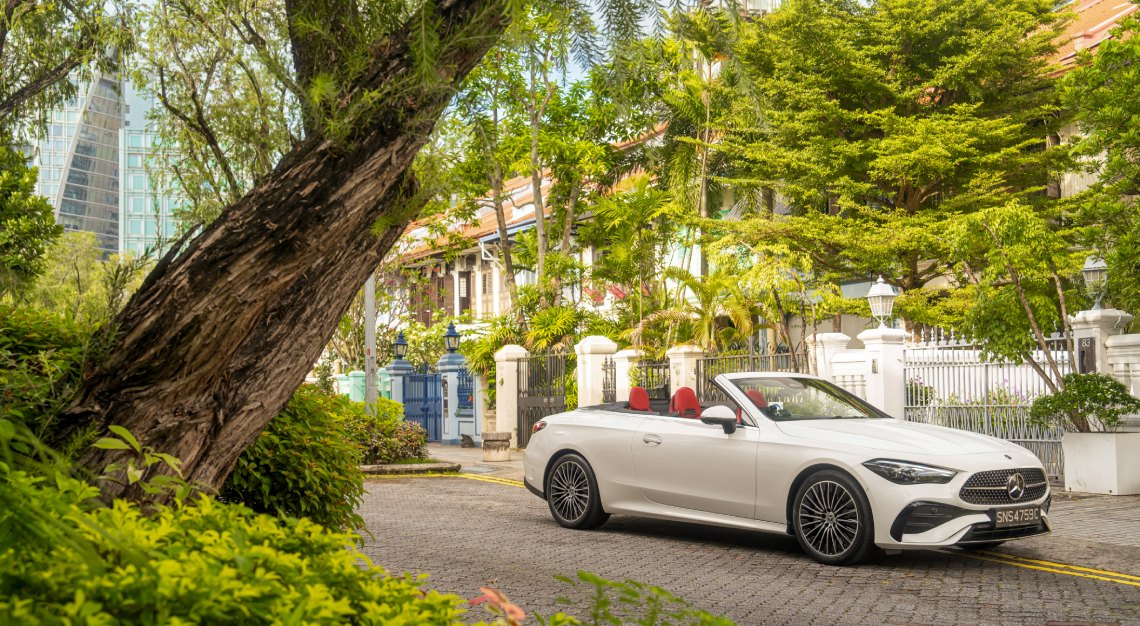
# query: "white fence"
[949,383]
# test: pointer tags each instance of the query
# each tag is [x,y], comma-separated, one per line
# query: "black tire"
[988,545]
[572,494]
[832,519]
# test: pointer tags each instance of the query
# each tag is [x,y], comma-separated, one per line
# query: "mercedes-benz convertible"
[787,453]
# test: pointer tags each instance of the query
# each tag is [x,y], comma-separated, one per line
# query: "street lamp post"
[1095,274]
[370,343]
[451,338]
[881,297]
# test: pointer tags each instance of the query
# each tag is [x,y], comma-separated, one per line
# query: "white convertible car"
[788,453]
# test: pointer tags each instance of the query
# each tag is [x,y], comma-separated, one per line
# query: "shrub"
[384,436]
[1087,403]
[206,562]
[305,464]
[41,358]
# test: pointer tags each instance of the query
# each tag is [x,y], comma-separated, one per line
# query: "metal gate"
[609,381]
[949,384]
[709,368]
[423,402]
[542,391]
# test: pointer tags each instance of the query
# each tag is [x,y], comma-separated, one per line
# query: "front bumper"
[936,516]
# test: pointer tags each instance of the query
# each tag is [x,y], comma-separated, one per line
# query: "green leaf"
[126,435]
[110,443]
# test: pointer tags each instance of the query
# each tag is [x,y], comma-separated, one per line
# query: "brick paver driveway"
[469,533]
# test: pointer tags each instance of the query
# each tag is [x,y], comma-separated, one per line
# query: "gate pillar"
[592,352]
[683,366]
[886,363]
[1091,329]
[507,389]
[398,371]
[449,365]
[825,346]
[624,362]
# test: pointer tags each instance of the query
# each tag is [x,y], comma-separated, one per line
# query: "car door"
[685,463]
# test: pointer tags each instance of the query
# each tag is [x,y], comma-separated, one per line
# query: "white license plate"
[1025,516]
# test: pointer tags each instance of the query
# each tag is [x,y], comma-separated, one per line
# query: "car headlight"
[907,473]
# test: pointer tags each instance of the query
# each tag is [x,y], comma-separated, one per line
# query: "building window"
[136,227]
[486,283]
[463,285]
[134,160]
[136,141]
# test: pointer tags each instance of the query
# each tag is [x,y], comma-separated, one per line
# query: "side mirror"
[721,416]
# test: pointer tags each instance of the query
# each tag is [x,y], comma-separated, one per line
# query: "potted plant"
[1089,409]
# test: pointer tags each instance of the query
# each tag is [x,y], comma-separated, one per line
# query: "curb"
[409,468]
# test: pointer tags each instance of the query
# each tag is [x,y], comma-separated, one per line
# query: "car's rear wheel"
[832,519]
[572,494]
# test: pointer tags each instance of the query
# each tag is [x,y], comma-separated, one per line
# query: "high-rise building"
[95,167]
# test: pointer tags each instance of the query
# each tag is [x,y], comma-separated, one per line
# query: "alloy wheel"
[829,518]
[570,491]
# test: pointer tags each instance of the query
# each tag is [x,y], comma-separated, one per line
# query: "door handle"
[651,439]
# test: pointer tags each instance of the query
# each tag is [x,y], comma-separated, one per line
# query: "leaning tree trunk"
[213,344]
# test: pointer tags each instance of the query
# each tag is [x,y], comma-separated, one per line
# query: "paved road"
[469,532]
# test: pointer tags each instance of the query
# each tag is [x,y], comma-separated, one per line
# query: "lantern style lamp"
[881,297]
[1095,273]
[400,347]
[451,339]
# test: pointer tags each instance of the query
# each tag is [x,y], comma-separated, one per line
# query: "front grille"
[990,487]
[985,532]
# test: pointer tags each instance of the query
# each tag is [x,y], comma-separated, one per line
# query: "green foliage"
[77,283]
[884,121]
[27,223]
[1087,403]
[41,358]
[305,464]
[203,562]
[1105,93]
[325,380]
[631,602]
[553,328]
[383,436]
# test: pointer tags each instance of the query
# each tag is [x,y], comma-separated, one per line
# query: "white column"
[477,285]
[683,366]
[496,291]
[825,346]
[1123,353]
[482,417]
[398,370]
[624,362]
[455,287]
[592,352]
[507,389]
[1091,329]
[886,386]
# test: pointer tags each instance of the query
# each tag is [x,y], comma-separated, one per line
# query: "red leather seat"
[757,398]
[638,399]
[684,401]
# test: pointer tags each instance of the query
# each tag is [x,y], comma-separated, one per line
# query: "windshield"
[785,399]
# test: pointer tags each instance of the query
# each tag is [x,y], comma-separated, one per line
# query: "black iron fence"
[542,391]
[654,377]
[709,368]
[609,381]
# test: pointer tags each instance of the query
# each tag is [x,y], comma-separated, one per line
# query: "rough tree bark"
[215,341]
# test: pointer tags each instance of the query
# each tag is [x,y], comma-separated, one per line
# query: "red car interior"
[638,399]
[685,400]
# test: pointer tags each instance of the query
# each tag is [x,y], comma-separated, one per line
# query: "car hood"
[891,435]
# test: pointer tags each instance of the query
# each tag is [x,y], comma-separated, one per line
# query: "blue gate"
[423,402]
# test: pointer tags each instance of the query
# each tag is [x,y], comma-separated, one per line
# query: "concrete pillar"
[483,415]
[448,366]
[624,362]
[1091,329]
[398,370]
[1124,361]
[592,352]
[477,285]
[886,383]
[497,291]
[683,366]
[825,346]
[507,389]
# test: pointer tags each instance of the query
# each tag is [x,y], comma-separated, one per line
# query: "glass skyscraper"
[94,165]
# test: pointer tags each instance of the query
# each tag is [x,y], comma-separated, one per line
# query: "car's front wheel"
[572,494]
[832,519]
